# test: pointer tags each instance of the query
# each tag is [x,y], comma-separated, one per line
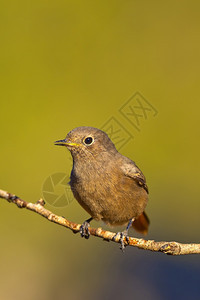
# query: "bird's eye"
[88,140]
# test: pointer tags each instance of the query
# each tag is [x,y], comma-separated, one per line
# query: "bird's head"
[87,141]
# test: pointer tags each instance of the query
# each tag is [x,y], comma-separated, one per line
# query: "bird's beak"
[65,142]
[60,142]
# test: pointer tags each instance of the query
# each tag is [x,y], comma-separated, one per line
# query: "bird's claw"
[122,235]
[84,230]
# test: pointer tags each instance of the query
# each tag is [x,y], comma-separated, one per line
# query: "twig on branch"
[173,248]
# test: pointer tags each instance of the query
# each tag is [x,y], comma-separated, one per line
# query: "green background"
[72,63]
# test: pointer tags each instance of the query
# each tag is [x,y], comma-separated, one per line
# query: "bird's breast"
[89,179]
[106,193]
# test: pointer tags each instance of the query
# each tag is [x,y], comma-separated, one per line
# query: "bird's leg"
[84,228]
[124,234]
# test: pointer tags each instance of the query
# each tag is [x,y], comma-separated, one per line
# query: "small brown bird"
[108,185]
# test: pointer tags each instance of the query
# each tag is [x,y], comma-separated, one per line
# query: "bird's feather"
[131,170]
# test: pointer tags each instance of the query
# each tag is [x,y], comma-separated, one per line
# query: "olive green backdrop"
[72,63]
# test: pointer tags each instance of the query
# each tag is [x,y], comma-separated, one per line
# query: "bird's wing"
[131,170]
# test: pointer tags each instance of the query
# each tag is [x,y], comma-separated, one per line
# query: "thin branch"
[173,248]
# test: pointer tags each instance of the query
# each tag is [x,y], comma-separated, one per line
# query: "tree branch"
[173,248]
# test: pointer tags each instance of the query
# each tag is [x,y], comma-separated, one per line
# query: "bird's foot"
[120,236]
[84,229]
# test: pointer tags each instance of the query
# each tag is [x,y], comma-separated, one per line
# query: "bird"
[108,185]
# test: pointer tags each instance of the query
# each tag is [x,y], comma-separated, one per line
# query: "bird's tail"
[141,224]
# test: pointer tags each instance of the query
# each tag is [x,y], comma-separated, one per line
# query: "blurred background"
[66,64]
